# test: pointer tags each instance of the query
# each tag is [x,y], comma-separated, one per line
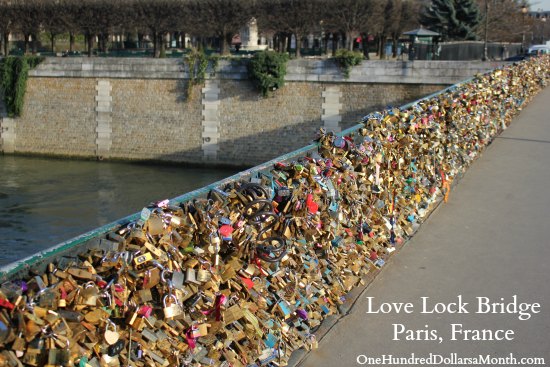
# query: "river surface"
[47,201]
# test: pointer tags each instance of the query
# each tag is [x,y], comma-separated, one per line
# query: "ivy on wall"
[14,71]
[198,62]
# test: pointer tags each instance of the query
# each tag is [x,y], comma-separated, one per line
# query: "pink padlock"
[145,311]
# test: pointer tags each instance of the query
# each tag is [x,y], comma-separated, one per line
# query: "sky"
[540,4]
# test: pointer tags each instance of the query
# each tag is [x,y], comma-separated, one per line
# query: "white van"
[539,49]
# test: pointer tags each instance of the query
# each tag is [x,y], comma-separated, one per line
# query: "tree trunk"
[334,44]
[325,43]
[90,44]
[6,43]
[162,46]
[223,46]
[71,41]
[52,42]
[26,44]
[394,51]
[224,39]
[383,46]
[2,48]
[349,41]
[34,43]
[103,43]
[155,45]
[298,45]
[365,45]
[286,43]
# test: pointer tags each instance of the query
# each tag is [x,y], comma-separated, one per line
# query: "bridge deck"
[490,240]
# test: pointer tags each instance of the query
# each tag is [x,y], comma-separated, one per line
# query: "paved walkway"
[490,240]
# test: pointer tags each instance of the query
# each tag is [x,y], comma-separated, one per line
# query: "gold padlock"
[204,275]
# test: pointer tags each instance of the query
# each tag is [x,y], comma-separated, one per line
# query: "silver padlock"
[173,309]
[190,276]
[177,279]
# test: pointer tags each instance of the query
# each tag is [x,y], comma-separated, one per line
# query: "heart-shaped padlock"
[111,335]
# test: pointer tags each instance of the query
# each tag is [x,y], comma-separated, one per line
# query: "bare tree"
[398,16]
[54,20]
[6,25]
[159,18]
[506,22]
[222,18]
[352,17]
[27,18]
[292,17]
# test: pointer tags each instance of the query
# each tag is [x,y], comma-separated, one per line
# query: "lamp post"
[523,12]
[485,53]
[542,28]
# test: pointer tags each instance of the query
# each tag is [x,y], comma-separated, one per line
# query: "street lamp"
[523,12]
[485,53]
[542,35]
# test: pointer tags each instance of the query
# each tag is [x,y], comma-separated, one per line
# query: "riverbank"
[143,110]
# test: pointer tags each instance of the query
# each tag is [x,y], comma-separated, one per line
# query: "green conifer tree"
[454,19]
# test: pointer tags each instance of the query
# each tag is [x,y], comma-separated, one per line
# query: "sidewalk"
[490,240]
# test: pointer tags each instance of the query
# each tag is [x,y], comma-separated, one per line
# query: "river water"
[46,201]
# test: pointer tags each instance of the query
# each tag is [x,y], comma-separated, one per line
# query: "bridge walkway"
[490,240]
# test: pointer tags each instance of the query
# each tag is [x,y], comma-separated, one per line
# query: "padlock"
[145,295]
[155,225]
[5,329]
[34,357]
[178,279]
[204,275]
[190,276]
[135,321]
[143,259]
[116,348]
[152,277]
[173,309]
[89,294]
[111,335]
[192,302]
[19,345]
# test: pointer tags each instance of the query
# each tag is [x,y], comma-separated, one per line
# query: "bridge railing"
[97,237]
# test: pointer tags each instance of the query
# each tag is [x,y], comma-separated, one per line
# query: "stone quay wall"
[142,109]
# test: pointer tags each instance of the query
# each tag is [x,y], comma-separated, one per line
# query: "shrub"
[346,59]
[14,72]
[267,70]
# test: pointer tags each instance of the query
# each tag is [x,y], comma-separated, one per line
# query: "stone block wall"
[58,117]
[155,119]
[141,109]
[255,129]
